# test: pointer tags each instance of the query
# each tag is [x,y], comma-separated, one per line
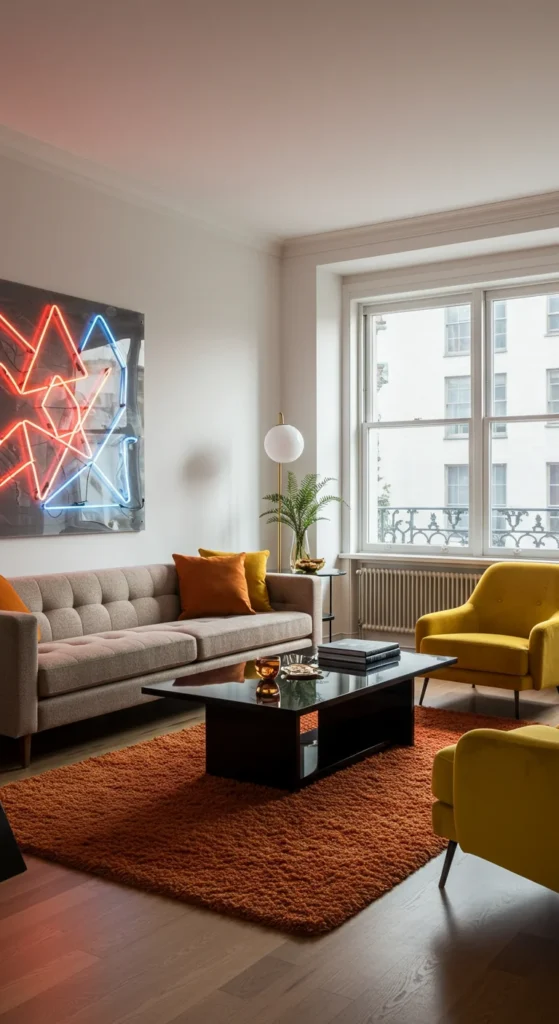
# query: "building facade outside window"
[499,326]
[553,390]
[457,330]
[553,495]
[457,404]
[553,314]
[498,498]
[499,403]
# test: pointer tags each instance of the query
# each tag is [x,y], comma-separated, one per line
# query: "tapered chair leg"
[473,686]
[25,751]
[450,851]
[516,705]
[558,689]
[423,690]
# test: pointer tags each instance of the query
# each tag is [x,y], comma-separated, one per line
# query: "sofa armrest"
[506,799]
[455,620]
[18,685]
[544,653]
[293,592]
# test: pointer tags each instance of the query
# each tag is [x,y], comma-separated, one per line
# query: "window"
[457,404]
[499,326]
[553,314]
[499,403]
[553,391]
[495,489]
[457,487]
[553,496]
[498,500]
[457,330]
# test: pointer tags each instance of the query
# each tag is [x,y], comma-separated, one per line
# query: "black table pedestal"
[249,744]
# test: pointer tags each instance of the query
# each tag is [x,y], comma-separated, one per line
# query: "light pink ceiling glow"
[287,117]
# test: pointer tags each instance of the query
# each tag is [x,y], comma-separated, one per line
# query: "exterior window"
[498,500]
[553,496]
[457,330]
[553,391]
[499,403]
[457,404]
[553,314]
[499,326]
[495,490]
[457,489]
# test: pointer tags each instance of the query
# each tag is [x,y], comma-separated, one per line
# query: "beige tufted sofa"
[107,633]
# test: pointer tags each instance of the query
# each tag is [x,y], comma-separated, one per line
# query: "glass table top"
[237,683]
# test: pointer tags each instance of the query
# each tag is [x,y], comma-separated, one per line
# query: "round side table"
[330,574]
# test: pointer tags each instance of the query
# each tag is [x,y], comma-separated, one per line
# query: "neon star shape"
[68,439]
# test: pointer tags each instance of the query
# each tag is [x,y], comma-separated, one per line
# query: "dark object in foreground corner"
[11,861]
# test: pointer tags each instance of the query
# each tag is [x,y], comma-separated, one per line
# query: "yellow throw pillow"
[10,601]
[255,572]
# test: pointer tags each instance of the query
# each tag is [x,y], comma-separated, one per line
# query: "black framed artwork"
[71,415]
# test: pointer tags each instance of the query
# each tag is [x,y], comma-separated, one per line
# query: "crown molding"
[45,157]
[511,216]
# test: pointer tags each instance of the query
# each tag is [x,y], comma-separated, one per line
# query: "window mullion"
[477,461]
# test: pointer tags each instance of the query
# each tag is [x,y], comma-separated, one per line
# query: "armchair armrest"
[297,593]
[463,619]
[506,799]
[544,653]
[18,674]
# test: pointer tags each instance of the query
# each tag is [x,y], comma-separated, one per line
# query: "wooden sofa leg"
[25,750]
[423,690]
[516,705]
[450,851]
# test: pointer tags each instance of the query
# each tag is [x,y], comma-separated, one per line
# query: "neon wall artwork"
[71,415]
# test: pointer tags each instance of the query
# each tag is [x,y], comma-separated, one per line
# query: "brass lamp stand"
[283,443]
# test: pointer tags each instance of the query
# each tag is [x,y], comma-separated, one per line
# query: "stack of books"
[357,655]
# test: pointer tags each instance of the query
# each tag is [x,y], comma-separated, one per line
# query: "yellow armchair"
[506,635]
[497,796]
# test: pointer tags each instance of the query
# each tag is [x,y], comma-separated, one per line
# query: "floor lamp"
[282,443]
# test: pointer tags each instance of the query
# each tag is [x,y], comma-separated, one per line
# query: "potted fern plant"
[299,508]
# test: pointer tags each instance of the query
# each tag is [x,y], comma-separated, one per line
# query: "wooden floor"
[79,950]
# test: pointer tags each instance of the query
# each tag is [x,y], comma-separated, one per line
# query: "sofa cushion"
[81,662]
[77,603]
[482,652]
[217,637]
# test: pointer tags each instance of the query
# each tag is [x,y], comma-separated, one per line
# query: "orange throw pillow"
[212,586]
[10,601]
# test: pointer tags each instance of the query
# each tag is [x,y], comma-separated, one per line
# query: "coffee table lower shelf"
[251,743]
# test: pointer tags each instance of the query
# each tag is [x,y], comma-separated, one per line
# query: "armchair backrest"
[512,597]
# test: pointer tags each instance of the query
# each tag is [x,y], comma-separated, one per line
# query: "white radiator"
[392,600]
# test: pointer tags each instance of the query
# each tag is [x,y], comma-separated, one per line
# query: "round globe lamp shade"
[284,443]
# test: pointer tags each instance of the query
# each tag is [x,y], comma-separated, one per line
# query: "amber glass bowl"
[268,670]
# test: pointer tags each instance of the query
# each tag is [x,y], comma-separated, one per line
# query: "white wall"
[212,368]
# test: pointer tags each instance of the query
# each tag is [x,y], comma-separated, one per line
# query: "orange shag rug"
[304,862]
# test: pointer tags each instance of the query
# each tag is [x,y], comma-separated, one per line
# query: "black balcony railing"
[449,525]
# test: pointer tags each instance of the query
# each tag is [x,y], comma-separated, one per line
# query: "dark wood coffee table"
[358,715]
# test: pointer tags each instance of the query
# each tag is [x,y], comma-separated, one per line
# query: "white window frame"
[480,422]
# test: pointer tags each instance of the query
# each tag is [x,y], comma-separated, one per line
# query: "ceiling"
[289,117]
